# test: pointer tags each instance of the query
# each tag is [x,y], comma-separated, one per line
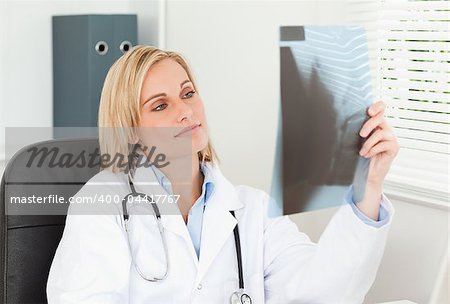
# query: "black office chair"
[31,233]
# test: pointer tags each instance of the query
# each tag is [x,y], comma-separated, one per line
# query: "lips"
[187,129]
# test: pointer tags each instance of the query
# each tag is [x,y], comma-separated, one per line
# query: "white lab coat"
[281,265]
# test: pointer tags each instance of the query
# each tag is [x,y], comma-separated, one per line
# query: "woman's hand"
[381,147]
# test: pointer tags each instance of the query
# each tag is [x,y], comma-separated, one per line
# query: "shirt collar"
[208,182]
[163,180]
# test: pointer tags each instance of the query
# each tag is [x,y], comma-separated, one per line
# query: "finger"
[376,137]
[371,124]
[376,108]
[384,146]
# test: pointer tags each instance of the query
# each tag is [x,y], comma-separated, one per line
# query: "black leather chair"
[30,233]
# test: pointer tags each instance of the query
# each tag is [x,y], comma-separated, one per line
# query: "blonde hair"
[119,110]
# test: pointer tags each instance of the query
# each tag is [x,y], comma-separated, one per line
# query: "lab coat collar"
[218,222]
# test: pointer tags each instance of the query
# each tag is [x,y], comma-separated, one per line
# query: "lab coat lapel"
[218,222]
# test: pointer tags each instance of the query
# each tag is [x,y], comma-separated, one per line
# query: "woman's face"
[172,113]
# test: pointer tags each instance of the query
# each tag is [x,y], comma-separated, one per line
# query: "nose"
[184,111]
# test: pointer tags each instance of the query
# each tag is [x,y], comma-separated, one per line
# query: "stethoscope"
[237,297]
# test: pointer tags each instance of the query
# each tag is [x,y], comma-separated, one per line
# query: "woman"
[151,89]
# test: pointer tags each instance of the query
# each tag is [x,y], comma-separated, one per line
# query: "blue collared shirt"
[195,218]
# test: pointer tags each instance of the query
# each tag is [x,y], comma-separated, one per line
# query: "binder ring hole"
[125,46]
[101,47]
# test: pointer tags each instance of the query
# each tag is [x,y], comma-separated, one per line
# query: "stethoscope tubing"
[157,212]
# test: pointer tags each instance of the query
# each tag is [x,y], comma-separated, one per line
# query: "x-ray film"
[325,93]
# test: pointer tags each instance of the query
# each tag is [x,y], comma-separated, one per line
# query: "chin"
[199,142]
[198,147]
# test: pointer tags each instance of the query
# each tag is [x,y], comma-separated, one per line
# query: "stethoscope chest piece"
[239,297]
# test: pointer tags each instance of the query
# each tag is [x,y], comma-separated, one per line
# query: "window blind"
[414,57]
[409,54]
[414,78]
[414,70]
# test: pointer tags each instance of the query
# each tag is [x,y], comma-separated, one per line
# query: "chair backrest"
[30,232]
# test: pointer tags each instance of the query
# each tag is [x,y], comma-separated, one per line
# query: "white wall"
[415,251]
[414,254]
[3,77]
[26,83]
[148,20]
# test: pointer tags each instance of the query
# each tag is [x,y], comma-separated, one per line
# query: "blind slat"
[402,64]
[413,25]
[414,45]
[417,85]
[423,135]
[430,76]
[415,95]
[426,55]
[419,145]
[402,6]
[415,35]
[419,115]
[417,125]
[414,15]
[425,106]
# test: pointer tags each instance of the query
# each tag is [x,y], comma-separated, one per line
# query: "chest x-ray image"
[325,92]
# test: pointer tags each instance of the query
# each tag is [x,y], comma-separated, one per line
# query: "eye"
[191,93]
[160,107]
